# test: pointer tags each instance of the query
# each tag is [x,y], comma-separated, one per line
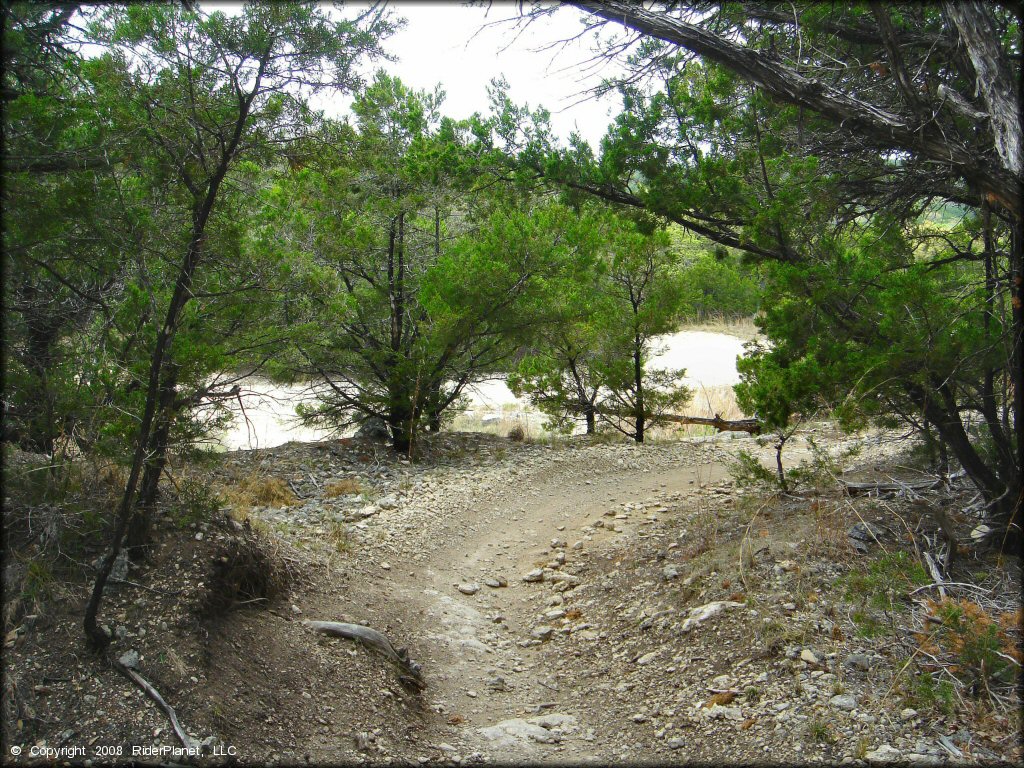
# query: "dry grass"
[344,487]
[258,491]
[741,327]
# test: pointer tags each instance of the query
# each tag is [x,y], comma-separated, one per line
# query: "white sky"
[443,43]
[438,46]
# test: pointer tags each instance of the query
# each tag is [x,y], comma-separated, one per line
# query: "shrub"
[978,646]
[197,502]
[247,568]
[517,434]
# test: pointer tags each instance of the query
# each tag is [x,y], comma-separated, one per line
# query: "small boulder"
[704,612]
[537,574]
[844,701]
[884,754]
[469,589]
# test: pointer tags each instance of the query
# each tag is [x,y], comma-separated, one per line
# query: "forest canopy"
[178,216]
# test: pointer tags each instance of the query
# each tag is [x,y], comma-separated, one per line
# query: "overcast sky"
[438,46]
[448,43]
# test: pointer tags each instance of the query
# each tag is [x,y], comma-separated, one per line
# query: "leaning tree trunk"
[638,383]
[139,537]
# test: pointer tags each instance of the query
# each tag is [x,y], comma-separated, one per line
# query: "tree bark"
[638,383]
[203,208]
[995,80]
[877,124]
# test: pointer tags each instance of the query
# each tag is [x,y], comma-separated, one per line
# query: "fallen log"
[722,425]
[409,671]
[893,486]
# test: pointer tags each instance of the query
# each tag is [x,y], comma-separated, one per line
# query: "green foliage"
[922,692]
[197,502]
[589,357]
[886,582]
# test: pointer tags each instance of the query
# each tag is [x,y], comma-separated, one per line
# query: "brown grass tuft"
[258,491]
[343,487]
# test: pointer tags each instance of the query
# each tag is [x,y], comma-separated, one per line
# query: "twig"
[152,692]
[951,584]
[933,569]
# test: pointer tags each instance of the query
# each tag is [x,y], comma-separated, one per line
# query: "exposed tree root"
[409,671]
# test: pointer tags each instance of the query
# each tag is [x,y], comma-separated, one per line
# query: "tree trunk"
[778,463]
[590,413]
[638,383]
[139,536]
[995,80]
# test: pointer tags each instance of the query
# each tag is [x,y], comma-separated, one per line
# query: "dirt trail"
[470,644]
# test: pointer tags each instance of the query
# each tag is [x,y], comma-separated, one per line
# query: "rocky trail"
[584,603]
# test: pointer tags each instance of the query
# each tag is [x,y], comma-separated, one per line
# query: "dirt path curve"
[472,646]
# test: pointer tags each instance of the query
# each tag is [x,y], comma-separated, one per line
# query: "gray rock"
[537,574]
[702,613]
[495,582]
[884,754]
[373,428]
[515,731]
[844,701]
[469,589]
[676,743]
[860,661]
[130,659]
[498,684]
[542,632]
[863,531]
[553,720]
[811,657]
[670,572]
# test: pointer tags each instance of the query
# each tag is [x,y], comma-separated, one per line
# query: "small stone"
[542,632]
[495,582]
[558,544]
[810,657]
[498,684]
[676,743]
[844,701]
[129,659]
[908,714]
[469,589]
[647,658]
[704,612]
[884,754]
[363,741]
[296,609]
[860,661]
[670,572]
[537,574]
